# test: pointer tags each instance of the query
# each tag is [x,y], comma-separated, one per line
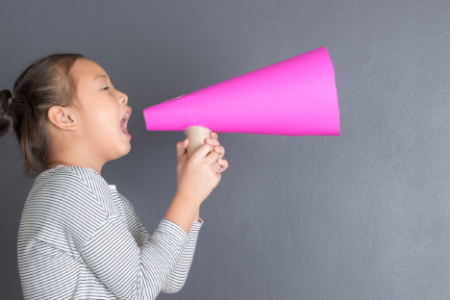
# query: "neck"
[55,163]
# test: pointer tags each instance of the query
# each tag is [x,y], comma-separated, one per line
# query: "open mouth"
[124,121]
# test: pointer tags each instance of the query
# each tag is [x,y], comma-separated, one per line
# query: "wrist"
[179,196]
[182,211]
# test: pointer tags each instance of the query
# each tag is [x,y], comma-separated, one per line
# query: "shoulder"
[73,177]
[75,187]
[129,211]
[128,207]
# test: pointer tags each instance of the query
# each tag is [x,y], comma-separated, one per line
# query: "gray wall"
[361,216]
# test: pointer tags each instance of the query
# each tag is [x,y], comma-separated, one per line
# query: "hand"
[200,174]
[219,149]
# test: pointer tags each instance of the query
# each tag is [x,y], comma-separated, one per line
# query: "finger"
[216,167]
[220,149]
[211,141]
[219,176]
[181,146]
[212,157]
[216,143]
[202,151]
[181,149]
[221,169]
[214,135]
[224,164]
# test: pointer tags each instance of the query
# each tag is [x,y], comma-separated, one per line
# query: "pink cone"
[295,97]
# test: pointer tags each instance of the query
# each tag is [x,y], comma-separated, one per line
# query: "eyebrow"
[101,75]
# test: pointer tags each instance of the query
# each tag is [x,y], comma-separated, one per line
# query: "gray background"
[361,216]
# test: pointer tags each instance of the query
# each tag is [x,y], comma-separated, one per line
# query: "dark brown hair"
[45,83]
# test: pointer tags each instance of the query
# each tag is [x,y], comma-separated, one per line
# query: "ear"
[61,117]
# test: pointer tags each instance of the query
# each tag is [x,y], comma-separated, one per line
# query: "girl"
[79,238]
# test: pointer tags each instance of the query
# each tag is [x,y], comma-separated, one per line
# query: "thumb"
[181,151]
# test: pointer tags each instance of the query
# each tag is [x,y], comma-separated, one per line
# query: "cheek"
[103,124]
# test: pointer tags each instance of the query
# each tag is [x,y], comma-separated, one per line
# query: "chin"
[127,149]
[123,149]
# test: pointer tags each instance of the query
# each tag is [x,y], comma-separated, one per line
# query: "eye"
[106,88]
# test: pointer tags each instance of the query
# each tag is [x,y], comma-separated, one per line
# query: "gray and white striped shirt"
[79,238]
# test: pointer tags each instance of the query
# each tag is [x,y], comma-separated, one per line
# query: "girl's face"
[100,111]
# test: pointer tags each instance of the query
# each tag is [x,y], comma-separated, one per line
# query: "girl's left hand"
[219,149]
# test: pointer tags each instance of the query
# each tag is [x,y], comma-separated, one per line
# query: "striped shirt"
[79,238]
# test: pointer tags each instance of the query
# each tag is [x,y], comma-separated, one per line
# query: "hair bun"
[5,111]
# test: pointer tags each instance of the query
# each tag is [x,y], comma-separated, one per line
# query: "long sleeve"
[128,269]
[179,275]
[75,242]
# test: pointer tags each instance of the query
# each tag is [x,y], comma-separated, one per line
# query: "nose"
[124,99]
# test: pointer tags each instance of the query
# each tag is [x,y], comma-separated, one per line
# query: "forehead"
[84,70]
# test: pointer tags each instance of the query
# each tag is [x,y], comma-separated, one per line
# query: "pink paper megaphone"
[294,97]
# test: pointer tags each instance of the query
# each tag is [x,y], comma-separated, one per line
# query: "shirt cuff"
[197,225]
[174,229]
[200,219]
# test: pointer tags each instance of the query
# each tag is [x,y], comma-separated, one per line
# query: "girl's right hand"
[198,175]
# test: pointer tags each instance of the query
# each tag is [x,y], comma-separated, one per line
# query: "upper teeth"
[126,115]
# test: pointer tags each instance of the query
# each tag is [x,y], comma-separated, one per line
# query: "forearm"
[182,211]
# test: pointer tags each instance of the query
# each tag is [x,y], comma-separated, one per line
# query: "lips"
[124,121]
